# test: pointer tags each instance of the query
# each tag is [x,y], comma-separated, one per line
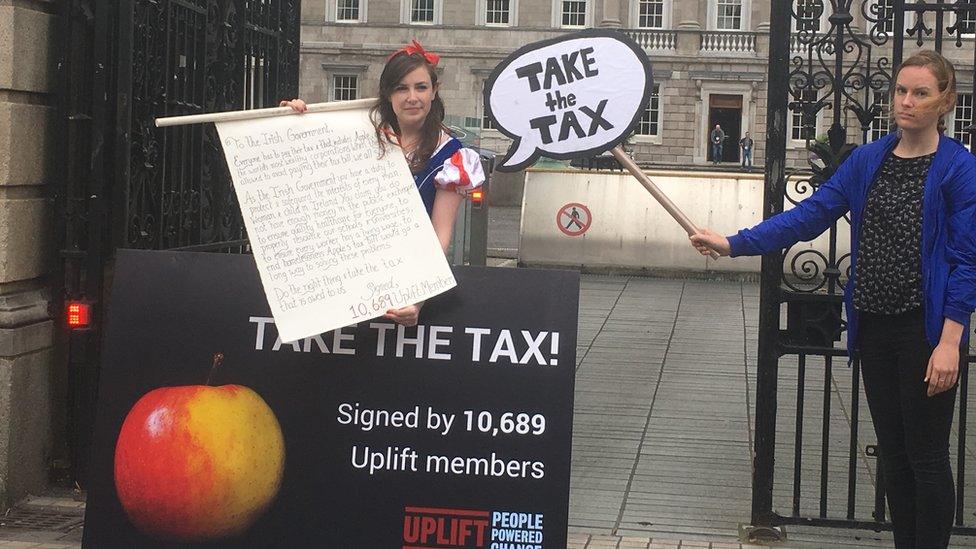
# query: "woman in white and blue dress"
[409,115]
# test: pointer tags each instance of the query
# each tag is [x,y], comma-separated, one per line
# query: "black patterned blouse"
[889,265]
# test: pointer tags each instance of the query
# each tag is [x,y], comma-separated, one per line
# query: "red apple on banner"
[197,463]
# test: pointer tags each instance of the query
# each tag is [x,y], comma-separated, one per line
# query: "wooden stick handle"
[261,113]
[679,216]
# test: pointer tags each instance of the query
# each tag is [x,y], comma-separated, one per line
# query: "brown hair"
[385,120]
[944,73]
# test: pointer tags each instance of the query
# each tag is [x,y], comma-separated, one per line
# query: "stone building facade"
[709,59]
[31,376]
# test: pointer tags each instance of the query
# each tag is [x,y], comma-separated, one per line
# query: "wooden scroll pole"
[679,216]
[261,113]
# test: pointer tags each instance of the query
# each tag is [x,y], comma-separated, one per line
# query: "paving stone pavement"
[663,427]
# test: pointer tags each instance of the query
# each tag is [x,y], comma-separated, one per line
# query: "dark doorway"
[726,111]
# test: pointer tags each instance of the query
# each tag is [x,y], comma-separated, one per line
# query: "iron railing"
[186,57]
[132,185]
[729,42]
[654,40]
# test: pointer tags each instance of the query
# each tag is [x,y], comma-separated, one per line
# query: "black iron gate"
[832,60]
[132,185]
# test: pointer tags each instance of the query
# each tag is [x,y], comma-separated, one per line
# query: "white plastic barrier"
[626,228]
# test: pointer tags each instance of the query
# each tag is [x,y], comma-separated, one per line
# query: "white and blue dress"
[451,167]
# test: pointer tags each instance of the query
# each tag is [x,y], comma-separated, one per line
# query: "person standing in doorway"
[746,145]
[912,286]
[717,139]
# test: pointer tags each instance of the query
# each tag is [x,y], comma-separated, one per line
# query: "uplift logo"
[432,528]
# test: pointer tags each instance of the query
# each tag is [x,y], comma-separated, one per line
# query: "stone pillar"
[762,40]
[28,141]
[760,15]
[688,15]
[611,14]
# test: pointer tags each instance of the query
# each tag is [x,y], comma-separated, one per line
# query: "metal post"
[772,267]
[83,255]
[897,47]
[853,445]
[478,227]
[825,436]
[459,238]
[801,373]
[961,445]
[77,51]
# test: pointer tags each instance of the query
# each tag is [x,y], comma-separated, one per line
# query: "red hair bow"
[415,47]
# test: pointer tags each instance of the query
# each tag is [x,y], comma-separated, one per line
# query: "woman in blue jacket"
[912,200]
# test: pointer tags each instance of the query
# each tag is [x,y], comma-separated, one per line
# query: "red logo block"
[432,528]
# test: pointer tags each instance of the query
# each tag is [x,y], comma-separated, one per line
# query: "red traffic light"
[79,314]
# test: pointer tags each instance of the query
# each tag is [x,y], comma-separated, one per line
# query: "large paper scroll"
[339,234]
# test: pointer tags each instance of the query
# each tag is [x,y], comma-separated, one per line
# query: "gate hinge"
[753,534]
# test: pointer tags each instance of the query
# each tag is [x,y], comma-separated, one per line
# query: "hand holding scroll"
[407,316]
[297,105]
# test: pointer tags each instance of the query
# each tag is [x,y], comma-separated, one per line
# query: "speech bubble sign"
[576,95]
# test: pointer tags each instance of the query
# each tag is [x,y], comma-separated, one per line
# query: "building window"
[347,10]
[728,15]
[498,12]
[650,14]
[345,87]
[422,11]
[808,15]
[963,118]
[966,16]
[879,126]
[885,15]
[650,121]
[488,123]
[572,13]
[803,126]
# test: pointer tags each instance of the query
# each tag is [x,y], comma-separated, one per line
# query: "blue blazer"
[948,229]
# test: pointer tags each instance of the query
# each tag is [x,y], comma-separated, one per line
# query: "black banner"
[455,433]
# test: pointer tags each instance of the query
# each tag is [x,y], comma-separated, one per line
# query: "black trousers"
[913,429]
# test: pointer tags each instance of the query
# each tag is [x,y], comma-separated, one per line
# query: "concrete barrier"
[630,231]
[506,188]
